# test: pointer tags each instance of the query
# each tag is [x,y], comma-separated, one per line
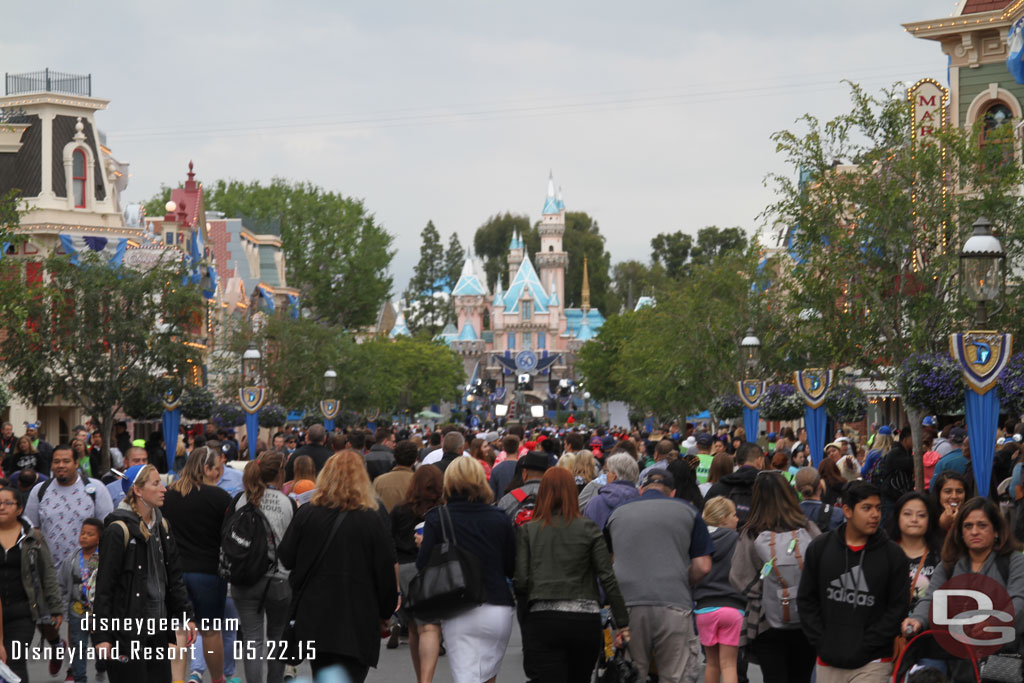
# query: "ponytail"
[260,472]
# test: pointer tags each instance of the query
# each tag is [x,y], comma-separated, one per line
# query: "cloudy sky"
[653,115]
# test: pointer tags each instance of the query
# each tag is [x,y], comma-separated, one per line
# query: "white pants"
[476,642]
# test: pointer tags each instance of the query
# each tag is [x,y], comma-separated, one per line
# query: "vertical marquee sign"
[928,106]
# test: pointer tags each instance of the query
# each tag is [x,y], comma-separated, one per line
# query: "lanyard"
[85,576]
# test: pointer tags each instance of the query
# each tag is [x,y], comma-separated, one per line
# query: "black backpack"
[824,520]
[246,540]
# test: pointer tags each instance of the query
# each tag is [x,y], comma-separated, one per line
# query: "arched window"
[996,118]
[997,134]
[79,177]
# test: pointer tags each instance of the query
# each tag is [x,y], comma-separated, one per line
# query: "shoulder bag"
[294,652]
[451,582]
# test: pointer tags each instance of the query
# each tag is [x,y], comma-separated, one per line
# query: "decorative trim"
[813,385]
[750,391]
[252,398]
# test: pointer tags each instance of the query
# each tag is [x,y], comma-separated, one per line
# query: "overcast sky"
[653,116]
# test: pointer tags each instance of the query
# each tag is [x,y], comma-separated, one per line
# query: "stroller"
[923,648]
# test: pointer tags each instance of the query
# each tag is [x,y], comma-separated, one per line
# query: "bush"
[143,404]
[726,406]
[846,403]
[932,382]
[781,402]
[197,403]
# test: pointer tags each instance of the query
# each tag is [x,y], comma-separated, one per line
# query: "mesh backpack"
[524,511]
[782,555]
[246,544]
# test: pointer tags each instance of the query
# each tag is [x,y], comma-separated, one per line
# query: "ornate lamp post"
[750,390]
[171,419]
[330,406]
[252,395]
[982,354]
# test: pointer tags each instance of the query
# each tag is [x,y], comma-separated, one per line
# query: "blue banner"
[329,425]
[751,422]
[171,423]
[982,420]
[814,421]
[252,432]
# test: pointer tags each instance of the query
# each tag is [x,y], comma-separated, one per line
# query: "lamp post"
[171,419]
[751,390]
[252,395]
[330,406]
[982,354]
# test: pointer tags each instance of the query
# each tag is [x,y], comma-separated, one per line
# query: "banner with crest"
[751,392]
[813,385]
[982,356]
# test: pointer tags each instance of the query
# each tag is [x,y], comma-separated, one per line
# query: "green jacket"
[564,561]
[38,576]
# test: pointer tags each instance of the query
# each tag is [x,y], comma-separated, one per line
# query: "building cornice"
[76,101]
[937,29]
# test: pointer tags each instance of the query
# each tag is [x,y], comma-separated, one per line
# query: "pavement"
[395,666]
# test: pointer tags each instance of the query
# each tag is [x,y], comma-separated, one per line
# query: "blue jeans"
[199,663]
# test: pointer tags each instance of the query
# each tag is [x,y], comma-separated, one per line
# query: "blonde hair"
[344,484]
[717,510]
[465,477]
[191,476]
[132,496]
[567,461]
[584,465]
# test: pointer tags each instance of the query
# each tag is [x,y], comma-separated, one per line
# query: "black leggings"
[562,647]
[355,669]
[785,655]
[142,669]
[21,630]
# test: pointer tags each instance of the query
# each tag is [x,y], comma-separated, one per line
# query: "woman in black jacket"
[476,640]
[137,538]
[341,600]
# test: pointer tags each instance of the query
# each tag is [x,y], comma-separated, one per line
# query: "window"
[542,340]
[527,309]
[511,341]
[528,340]
[169,237]
[997,131]
[78,176]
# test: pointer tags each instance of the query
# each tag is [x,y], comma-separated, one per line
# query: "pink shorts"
[721,627]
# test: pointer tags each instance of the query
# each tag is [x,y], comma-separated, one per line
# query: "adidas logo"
[851,588]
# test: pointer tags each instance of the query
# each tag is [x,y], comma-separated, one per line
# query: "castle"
[526,328]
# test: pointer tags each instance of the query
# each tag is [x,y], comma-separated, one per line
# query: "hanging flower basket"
[1011,384]
[726,406]
[932,382]
[197,403]
[272,416]
[228,415]
[143,404]
[846,403]
[781,402]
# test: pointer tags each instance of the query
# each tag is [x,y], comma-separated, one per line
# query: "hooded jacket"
[714,590]
[851,603]
[737,487]
[609,497]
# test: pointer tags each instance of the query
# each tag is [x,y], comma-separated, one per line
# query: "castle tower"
[515,256]
[551,259]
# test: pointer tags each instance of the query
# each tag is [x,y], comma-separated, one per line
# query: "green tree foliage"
[583,238]
[156,206]
[408,374]
[688,342]
[491,240]
[454,259]
[877,221]
[426,305]
[633,279]
[335,252]
[677,250]
[95,335]
[672,251]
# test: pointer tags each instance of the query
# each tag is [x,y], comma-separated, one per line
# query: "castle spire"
[586,288]
[551,184]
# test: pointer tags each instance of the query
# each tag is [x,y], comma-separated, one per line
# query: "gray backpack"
[782,557]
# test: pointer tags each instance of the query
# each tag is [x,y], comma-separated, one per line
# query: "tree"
[335,252]
[672,251]
[491,240]
[95,334]
[632,280]
[677,251]
[425,300]
[407,374]
[583,239]
[454,259]
[714,242]
[876,220]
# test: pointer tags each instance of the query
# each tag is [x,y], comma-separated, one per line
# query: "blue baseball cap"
[885,430]
[130,475]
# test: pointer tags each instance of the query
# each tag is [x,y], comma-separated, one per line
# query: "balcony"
[48,81]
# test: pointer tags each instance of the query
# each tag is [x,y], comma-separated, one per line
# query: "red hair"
[557,494]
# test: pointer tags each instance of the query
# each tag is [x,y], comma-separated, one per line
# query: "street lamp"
[750,351]
[251,395]
[983,270]
[330,406]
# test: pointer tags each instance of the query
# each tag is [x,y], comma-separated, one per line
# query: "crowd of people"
[673,548]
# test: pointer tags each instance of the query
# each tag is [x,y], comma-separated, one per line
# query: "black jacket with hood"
[739,488]
[851,603]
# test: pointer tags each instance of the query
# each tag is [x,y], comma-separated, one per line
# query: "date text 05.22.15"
[274,649]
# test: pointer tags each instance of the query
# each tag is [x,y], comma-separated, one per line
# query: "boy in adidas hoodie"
[854,593]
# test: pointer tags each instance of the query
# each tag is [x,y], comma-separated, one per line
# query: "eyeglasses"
[8,503]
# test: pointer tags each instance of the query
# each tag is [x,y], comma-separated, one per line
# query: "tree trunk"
[916,415]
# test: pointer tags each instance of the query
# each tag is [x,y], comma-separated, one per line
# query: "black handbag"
[451,583]
[295,652]
[617,669]
[1002,667]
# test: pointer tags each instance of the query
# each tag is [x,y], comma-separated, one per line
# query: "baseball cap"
[928,421]
[885,430]
[957,434]
[771,436]
[32,425]
[704,439]
[608,443]
[130,475]
[139,443]
[658,476]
